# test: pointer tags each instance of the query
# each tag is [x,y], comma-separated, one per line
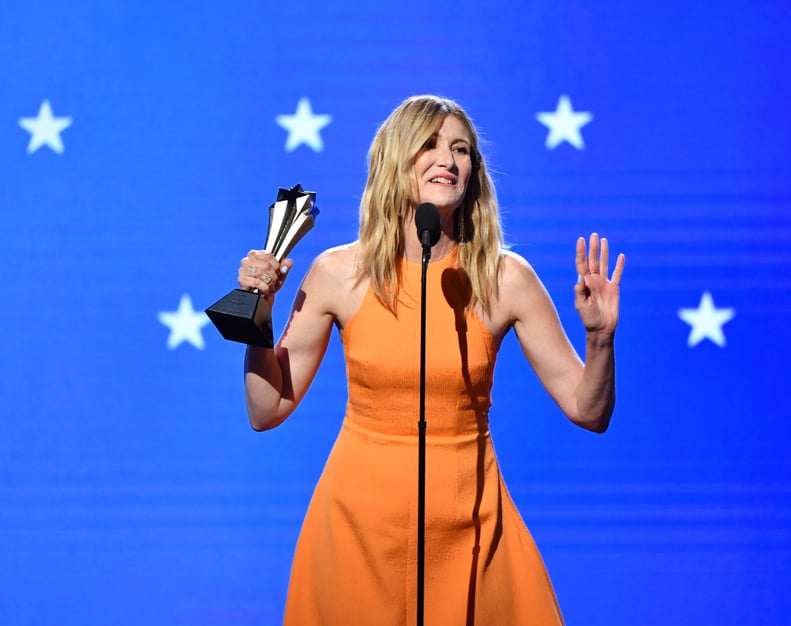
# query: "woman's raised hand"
[596,294]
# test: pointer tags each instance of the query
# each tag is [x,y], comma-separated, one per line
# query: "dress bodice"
[383,357]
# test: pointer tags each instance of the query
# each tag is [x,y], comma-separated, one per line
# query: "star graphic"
[185,324]
[45,129]
[304,126]
[564,124]
[706,321]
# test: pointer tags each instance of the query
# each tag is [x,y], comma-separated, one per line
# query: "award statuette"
[245,316]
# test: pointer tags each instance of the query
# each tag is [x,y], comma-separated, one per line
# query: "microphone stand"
[421,464]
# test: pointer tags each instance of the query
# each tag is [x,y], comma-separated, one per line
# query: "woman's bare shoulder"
[334,281]
[516,271]
[337,258]
[333,270]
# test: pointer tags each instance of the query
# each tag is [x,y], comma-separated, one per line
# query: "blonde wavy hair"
[389,193]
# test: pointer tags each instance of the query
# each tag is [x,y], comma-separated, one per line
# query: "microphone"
[428,226]
[428,230]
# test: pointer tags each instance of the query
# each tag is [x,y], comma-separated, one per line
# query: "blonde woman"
[355,561]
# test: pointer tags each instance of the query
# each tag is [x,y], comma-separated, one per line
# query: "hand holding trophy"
[245,316]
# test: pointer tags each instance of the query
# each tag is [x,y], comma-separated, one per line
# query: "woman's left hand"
[596,295]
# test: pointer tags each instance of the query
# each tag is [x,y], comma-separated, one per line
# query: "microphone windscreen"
[427,220]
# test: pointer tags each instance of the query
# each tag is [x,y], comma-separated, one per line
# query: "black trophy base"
[243,316]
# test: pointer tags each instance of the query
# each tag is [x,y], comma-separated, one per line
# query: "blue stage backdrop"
[140,147]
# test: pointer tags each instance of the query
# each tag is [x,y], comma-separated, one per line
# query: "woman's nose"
[446,157]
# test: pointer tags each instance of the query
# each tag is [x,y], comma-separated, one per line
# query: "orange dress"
[356,558]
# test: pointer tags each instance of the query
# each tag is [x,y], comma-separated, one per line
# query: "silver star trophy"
[245,316]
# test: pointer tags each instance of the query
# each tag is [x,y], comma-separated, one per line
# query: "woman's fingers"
[593,256]
[616,273]
[582,266]
[260,270]
[255,271]
[597,261]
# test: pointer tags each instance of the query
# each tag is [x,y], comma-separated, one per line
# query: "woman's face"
[443,166]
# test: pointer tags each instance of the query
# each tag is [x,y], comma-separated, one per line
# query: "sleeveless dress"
[356,557]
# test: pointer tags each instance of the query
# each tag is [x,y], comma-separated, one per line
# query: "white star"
[45,129]
[304,126]
[564,124]
[185,324]
[706,321]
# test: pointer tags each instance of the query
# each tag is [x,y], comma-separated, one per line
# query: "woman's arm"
[585,392]
[277,378]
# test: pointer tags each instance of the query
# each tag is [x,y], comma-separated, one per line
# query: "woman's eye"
[462,149]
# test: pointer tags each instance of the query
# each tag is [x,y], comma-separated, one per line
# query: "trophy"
[245,316]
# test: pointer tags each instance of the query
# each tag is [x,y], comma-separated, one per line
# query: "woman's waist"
[380,469]
[402,427]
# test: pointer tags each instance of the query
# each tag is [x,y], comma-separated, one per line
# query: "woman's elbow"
[261,419]
[596,423]
[600,427]
[597,426]
[259,424]
[594,416]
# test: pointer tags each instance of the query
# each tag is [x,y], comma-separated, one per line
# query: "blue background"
[132,490]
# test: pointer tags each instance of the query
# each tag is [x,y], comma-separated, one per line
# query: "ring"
[251,271]
[266,279]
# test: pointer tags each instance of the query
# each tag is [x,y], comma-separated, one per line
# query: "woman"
[355,561]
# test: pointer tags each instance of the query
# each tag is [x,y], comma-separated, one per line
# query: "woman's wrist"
[600,338]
